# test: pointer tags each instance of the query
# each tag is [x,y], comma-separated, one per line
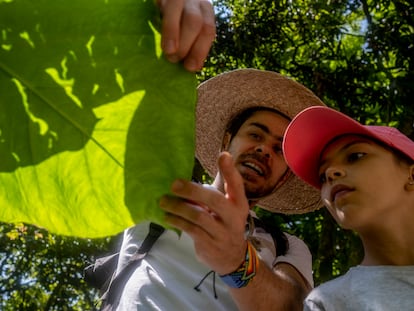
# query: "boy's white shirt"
[379,288]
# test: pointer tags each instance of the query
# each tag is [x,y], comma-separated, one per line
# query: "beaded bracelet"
[247,270]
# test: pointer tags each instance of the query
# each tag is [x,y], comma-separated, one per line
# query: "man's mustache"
[258,157]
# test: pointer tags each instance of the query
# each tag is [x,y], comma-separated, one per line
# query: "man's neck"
[218,183]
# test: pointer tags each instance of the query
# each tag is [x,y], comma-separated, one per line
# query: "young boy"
[366,178]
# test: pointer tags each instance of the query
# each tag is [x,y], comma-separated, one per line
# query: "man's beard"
[253,191]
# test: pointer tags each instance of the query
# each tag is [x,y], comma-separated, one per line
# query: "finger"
[200,48]
[191,25]
[196,232]
[187,216]
[182,208]
[171,11]
[204,196]
[190,211]
[233,181]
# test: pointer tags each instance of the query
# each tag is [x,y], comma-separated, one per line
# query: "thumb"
[233,182]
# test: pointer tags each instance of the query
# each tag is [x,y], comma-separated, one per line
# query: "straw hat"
[221,98]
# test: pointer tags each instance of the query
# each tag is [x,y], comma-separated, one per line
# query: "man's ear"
[410,184]
[226,142]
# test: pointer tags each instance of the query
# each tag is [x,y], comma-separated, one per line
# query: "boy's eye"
[322,178]
[355,156]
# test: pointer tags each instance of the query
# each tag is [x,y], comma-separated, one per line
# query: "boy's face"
[257,152]
[362,182]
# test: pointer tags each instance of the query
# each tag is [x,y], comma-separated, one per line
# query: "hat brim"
[308,134]
[221,98]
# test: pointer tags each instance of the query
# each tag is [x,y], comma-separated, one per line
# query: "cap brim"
[308,134]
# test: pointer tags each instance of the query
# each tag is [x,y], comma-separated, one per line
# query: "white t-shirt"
[166,278]
[379,288]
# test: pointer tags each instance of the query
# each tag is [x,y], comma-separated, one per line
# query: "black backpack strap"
[154,233]
[111,297]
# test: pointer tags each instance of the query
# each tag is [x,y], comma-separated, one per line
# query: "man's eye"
[255,136]
[355,156]
[277,149]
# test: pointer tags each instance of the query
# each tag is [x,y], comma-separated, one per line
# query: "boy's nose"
[333,173]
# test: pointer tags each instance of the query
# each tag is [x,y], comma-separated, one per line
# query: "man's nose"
[263,149]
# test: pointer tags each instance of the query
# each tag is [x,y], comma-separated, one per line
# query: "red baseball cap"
[313,128]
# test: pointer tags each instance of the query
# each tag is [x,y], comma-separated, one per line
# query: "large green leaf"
[94,123]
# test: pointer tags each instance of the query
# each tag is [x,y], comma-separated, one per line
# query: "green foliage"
[89,114]
[41,271]
[356,56]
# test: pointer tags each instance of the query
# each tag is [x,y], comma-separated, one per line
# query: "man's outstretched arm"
[216,223]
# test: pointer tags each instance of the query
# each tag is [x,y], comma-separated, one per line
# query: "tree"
[356,56]
[42,271]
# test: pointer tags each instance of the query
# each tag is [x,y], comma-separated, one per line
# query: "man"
[244,113]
